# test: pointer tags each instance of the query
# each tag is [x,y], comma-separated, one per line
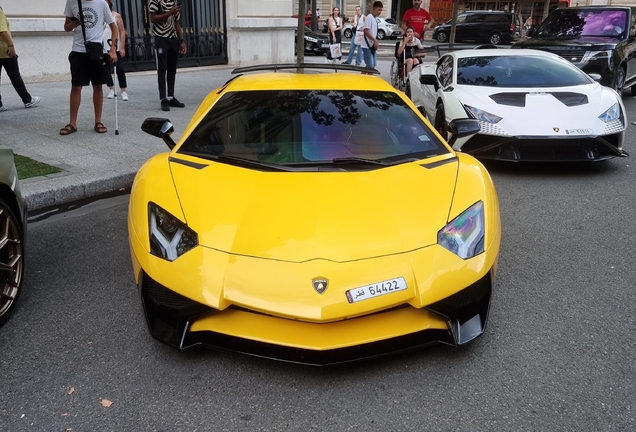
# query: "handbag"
[371,46]
[335,52]
[94,50]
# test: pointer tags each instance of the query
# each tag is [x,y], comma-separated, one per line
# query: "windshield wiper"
[237,160]
[354,160]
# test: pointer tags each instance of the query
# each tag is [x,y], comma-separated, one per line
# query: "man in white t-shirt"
[83,70]
[370,42]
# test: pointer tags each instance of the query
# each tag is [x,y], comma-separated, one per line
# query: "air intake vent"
[511,99]
[571,99]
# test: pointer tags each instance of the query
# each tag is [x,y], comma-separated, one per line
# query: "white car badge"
[320,285]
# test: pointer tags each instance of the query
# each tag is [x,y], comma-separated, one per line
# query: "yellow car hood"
[300,216]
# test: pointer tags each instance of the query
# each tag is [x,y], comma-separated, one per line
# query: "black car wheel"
[441,37]
[11,260]
[348,33]
[380,34]
[619,80]
[495,38]
[440,121]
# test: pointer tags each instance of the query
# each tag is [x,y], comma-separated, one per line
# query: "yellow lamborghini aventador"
[314,218]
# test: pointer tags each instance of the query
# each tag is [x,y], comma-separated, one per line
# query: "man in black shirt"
[169,43]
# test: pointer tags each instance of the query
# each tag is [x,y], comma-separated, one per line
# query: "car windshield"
[518,71]
[571,23]
[391,21]
[311,127]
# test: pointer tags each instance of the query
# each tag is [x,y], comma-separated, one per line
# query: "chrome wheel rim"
[11,253]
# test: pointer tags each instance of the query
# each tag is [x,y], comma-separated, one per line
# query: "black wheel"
[348,33]
[495,38]
[380,34]
[440,121]
[441,37]
[619,80]
[393,74]
[11,260]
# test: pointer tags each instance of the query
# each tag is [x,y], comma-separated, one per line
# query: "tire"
[441,37]
[12,257]
[380,34]
[619,80]
[495,38]
[440,121]
[348,33]
[393,74]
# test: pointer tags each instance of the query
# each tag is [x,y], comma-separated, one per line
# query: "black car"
[315,42]
[600,40]
[492,27]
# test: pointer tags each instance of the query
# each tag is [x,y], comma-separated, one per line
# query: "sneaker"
[111,94]
[124,96]
[34,101]
[3,108]
[164,105]
[175,103]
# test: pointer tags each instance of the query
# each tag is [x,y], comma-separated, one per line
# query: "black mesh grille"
[472,294]
[163,296]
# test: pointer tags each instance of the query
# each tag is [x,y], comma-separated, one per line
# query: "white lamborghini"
[531,105]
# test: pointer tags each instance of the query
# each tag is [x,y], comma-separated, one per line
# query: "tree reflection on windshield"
[566,23]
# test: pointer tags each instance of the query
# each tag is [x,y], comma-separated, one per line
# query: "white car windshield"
[519,71]
[308,127]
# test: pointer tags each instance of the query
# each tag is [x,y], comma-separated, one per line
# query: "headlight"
[611,114]
[310,39]
[482,115]
[464,235]
[589,55]
[169,237]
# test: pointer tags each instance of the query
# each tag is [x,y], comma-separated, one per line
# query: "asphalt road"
[558,354]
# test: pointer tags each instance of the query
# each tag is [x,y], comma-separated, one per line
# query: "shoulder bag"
[94,50]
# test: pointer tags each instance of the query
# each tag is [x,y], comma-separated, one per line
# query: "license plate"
[325,45]
[579,131]
[376,290]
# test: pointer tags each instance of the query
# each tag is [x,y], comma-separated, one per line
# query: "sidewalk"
[93,163]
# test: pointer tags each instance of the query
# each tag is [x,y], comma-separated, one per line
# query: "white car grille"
[614,126]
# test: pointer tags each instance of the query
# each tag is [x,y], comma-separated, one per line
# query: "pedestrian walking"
[9,61]
[358,23]
[88,65]
[121,53]
[169,43]
[370,42]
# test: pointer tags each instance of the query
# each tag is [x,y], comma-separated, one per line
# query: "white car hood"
[543,113]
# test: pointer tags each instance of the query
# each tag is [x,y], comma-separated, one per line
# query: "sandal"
[68,129]
[100,128]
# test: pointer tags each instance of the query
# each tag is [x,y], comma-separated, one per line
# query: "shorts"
[85,72]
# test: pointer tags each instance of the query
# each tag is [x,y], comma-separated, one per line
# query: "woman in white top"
[358,22]
[408,46]
[334,23]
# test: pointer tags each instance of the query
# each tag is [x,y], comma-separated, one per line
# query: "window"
[445,70]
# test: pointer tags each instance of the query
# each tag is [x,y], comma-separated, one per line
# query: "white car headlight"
[464,235]
[482,115]
[611,114]
[169,237]
[310,39]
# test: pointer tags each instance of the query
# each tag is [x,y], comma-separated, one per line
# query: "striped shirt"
[165,28]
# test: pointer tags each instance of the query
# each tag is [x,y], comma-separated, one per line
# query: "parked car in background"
[493,27]
[387,27]
[13,220]
[316,43]
[531,105]
[600,40]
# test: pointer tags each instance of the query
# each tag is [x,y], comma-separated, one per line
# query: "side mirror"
[460,128]
[428,79]
[160,128]
[530,32]
[596,77]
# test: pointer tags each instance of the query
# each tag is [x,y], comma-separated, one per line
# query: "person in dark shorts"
[83,70]
[169,43]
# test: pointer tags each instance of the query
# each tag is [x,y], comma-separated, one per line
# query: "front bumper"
[317,47]
[542,149]
[182,323]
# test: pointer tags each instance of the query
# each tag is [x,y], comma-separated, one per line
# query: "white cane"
[116,95]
